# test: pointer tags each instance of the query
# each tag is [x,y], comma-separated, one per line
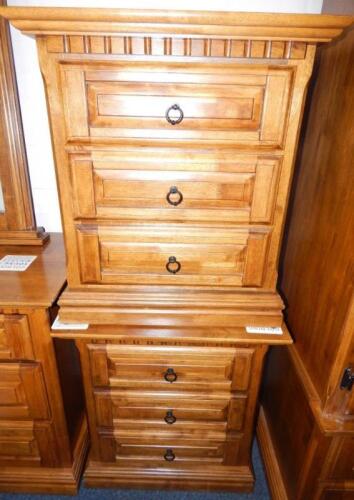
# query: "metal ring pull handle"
[169,417]
[170,375]
[174,118]
[173,266]
[169,456]
[174,190]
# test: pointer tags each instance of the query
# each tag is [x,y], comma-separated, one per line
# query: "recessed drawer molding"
[172,254]
[189,187]
[15,337]
[135,367]
[22,392]
[181,412]
[233,105]
[175,136]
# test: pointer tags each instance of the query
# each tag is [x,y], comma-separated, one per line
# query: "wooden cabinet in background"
[174,136]
[309,386]
[42,445]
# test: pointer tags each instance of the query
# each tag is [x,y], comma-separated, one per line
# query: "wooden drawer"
[18,443]
[184,413]
[153,449]
[22,392]
[343,463]
[15,337]
[183,451]
[172,254]
[231,105]
[210,187]
[170,368]
[147,449]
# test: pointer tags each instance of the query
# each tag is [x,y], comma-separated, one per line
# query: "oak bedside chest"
[43,445]
[174,136]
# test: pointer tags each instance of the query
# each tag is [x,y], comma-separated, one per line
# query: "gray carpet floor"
[260,492]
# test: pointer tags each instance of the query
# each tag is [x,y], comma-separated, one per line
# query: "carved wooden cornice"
[176,46]
[225,25]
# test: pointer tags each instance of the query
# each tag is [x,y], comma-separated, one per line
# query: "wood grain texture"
[270,189]
[15,337]
[313,453]
[129,399]
[270,460]
[37,453]
[174,137]
[212,187]
[274,26]
[316,458]
[236,108]
[170,46]
[103,199]
[141,254]
[320,293]
[41,283]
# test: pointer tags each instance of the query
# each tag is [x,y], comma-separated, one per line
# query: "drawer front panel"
[184,413]
[170,368]
[17,442]
[166,450]
[22,392]
[190,187]
[343,465]
[172,254]
[188,451]
[232,105]
[15,337]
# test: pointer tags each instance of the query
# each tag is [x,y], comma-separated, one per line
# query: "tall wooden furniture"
[17,220]
[306,427]
[174,135]
[42,447]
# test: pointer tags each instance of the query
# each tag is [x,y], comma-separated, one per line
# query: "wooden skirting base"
[216,478]
[55,480]
[273,474]
[166,306]
[38,237]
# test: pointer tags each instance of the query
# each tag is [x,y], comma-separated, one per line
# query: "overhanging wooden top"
[304,27]
[41,283]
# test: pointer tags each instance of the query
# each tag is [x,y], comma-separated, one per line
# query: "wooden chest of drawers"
[174,135]
[43,439]
[171,407]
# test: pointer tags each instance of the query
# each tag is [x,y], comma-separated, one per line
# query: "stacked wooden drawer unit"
[43,445]
[187,412]
[174,135]
[24,408]
[169,407]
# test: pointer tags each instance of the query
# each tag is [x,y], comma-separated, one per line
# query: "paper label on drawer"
[16,262]
[267,330]
[59,325]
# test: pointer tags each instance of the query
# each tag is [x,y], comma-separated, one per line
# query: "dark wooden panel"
[289,417]
[317,269]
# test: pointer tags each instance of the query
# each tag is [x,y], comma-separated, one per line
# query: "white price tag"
[267,330]
[59,325]
[16,262]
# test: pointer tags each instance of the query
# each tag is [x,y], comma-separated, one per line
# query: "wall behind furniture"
[31,91]
[343,7]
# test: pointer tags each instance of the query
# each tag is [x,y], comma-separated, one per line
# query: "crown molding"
[295,27]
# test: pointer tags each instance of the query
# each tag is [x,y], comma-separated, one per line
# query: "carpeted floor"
[260,491]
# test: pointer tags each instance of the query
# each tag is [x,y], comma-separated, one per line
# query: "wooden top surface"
[42,281]
[59,20]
